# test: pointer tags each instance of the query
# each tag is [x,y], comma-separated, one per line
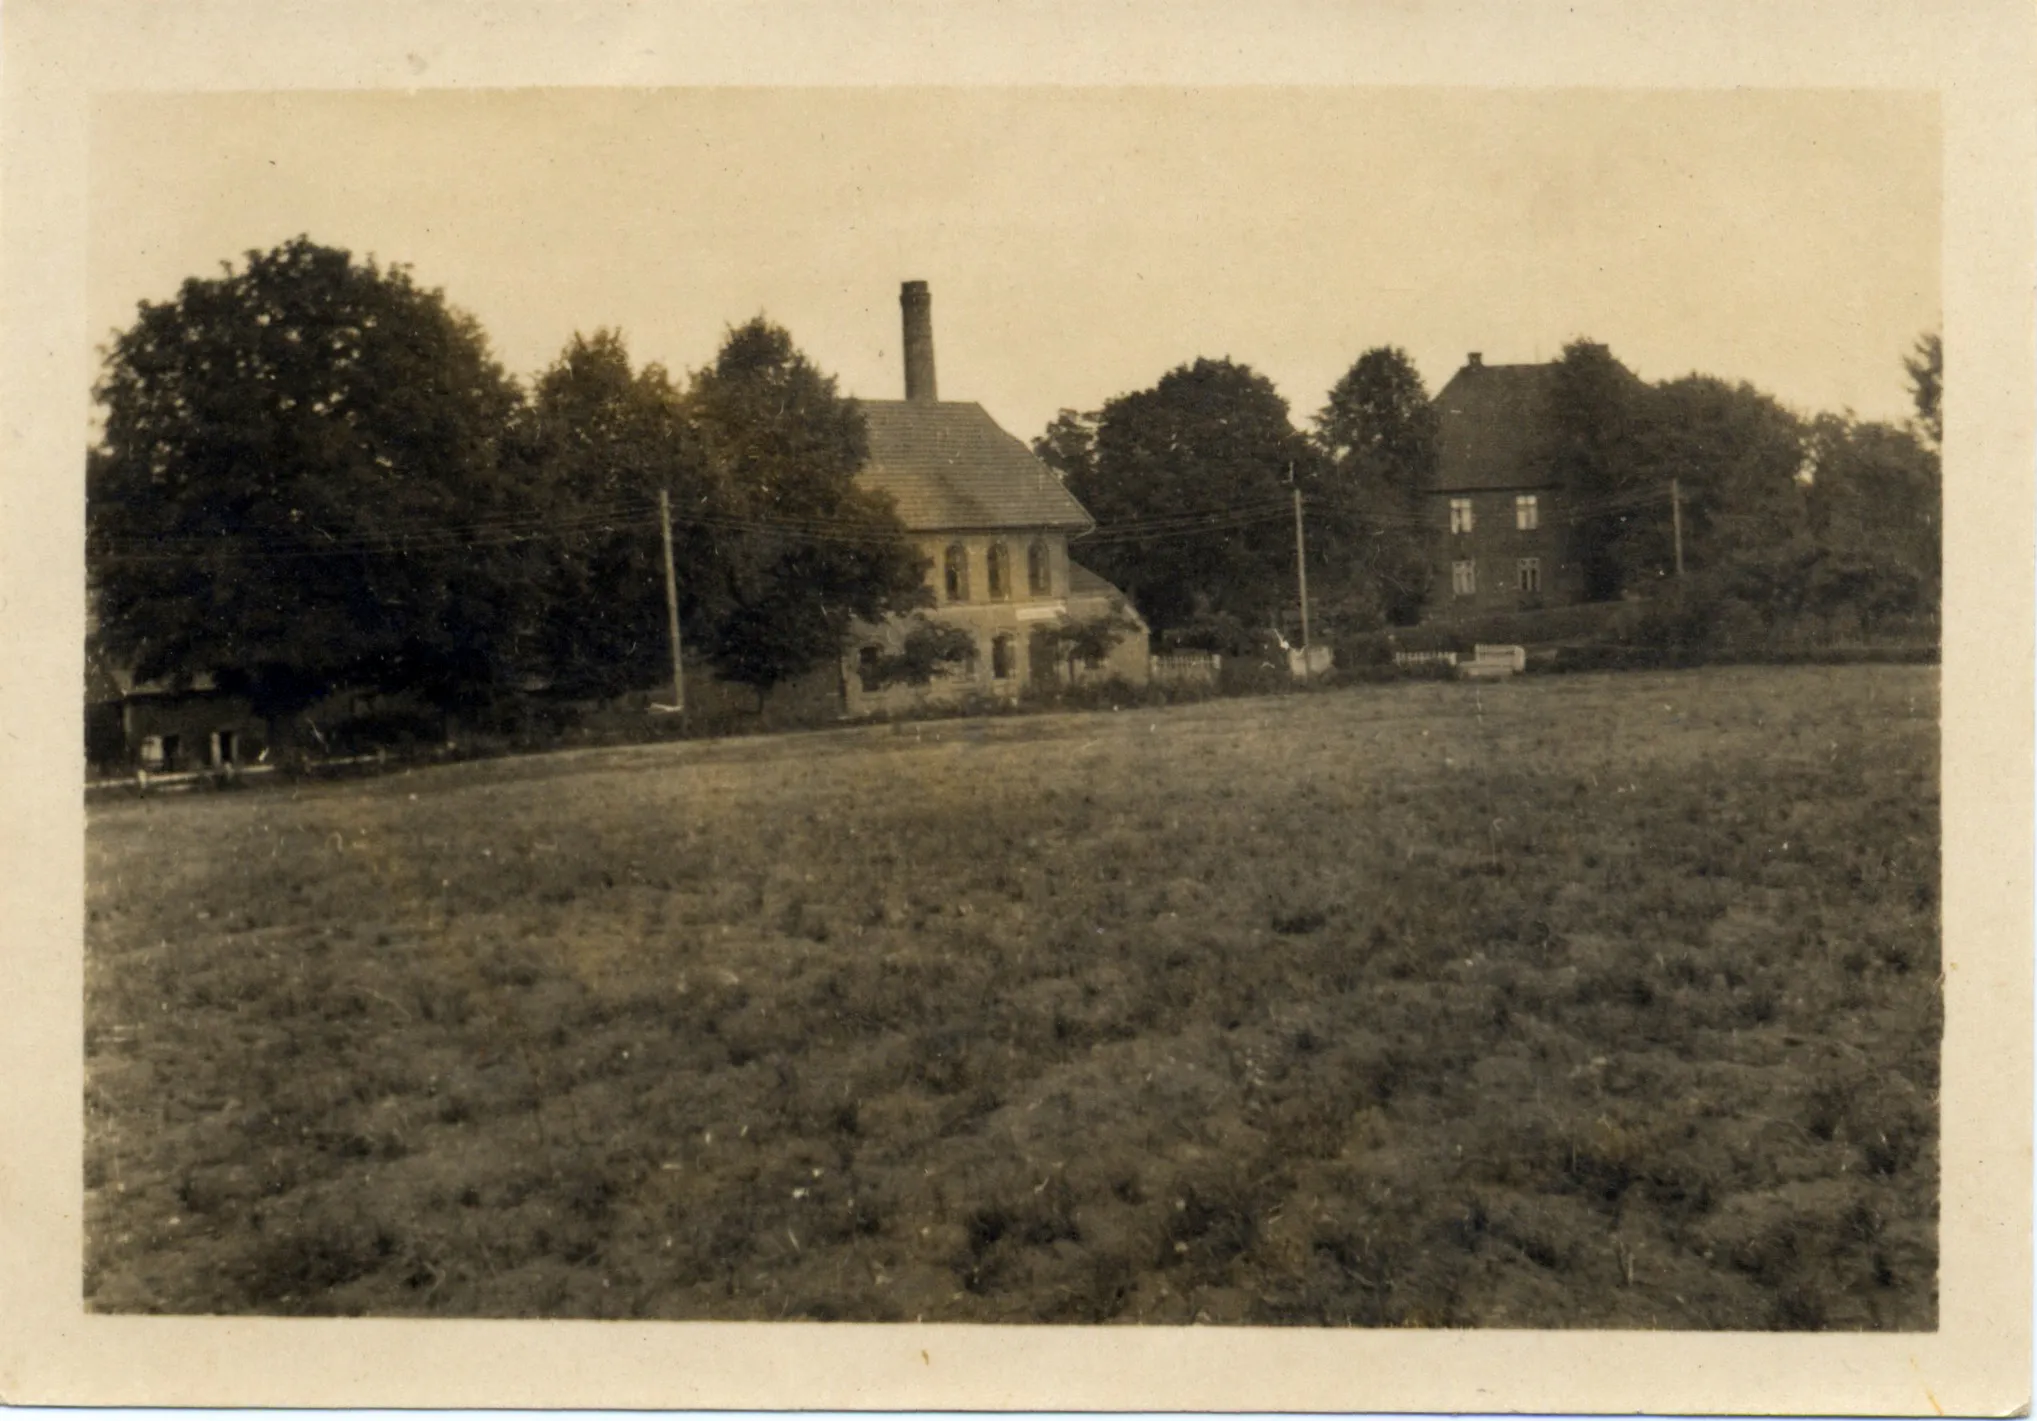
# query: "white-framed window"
[1527,512]
[1530,575]
[1460,515]
[1003,658]
[1464,577]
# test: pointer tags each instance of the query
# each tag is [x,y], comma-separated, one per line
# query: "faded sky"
[1079,243]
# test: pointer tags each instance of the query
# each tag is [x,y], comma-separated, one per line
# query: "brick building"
[1499,531]
[993,524]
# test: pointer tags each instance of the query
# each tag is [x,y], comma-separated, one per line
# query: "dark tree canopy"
[1211,435]
[286,447]
[1875,514]
[801,550]
[1734,454]
[1379,420]
[1596,410]
[599,442]
[1787,522]
[1379,436]
[1068,446]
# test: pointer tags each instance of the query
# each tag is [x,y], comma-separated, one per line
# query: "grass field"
[1580,1001]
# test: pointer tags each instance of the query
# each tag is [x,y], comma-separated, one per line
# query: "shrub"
[394,728]
[1223,634]
[928,649]
[1090,639]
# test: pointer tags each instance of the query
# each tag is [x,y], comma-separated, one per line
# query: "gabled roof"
[1493,421]
[947,464]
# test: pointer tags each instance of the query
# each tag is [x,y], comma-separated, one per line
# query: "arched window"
[1039,573]
[997,571]
[957,565]
[1003,660]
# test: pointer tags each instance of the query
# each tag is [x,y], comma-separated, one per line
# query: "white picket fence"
[1485,661]
[1186,668]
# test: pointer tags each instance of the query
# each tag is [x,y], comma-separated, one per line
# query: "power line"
[417,536]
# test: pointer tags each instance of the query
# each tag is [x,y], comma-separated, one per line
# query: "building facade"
[993,525]
[1495,515]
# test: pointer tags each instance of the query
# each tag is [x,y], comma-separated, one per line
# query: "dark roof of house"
[947,464]
[1493,423]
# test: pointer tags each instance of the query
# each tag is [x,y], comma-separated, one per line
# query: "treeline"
[313,476]
[1785,518]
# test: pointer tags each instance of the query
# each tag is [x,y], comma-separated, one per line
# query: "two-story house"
[993,525]
[1495,514]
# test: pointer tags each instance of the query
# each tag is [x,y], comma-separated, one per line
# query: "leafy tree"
[1379,438]
[1926,368]
[299,461]
[599,442]
[928,648]
[1596,406]
[1221,633]
[1734,454]
[799,550]
[1875,516]
[1088,639]
[1068,446]
[1213,435]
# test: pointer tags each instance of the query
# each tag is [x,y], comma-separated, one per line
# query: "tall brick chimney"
[918,305]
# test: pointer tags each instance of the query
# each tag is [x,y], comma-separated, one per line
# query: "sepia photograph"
[940,706]
[1269,707]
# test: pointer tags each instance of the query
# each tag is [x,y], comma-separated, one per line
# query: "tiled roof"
[947,464]
[1084,583]
[1493,423]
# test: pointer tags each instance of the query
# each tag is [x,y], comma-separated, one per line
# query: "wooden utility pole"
[1301,577]
[1676,522]
[672,603]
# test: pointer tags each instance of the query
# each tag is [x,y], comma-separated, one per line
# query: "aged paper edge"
[1975,56]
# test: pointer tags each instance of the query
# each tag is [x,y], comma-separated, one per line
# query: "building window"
[1464,577]
[1531,575]
[1002,659]
[1460,515]
[867,663]
[957,573]
[1527,513]
[996,571]
[1039,573]
[153,754]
